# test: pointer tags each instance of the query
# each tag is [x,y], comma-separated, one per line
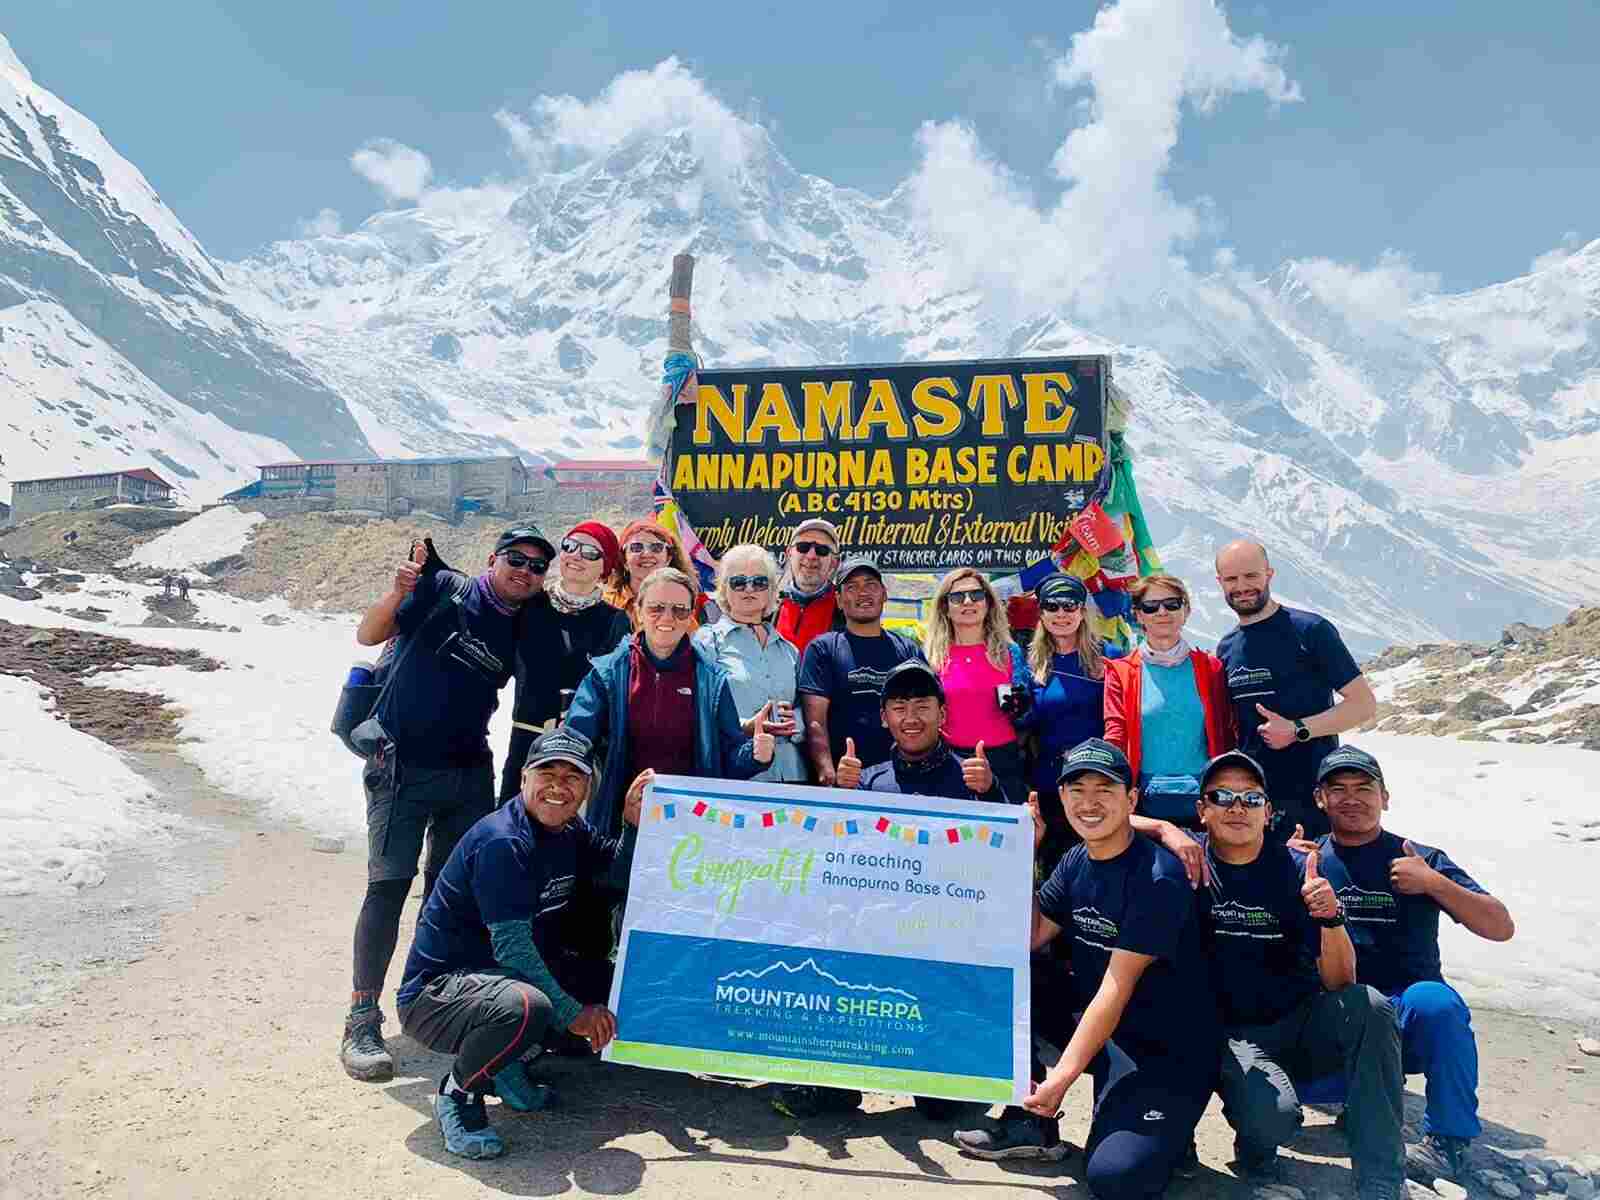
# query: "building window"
[322,471]
[424,471]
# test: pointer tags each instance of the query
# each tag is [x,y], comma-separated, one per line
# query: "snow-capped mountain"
[120,341]
[1420,470]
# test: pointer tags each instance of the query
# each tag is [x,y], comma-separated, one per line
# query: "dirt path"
[208,1068]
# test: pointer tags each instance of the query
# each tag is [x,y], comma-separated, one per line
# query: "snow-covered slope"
[120,342]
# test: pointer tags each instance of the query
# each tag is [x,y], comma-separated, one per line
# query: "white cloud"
[326,223]
[398,171]
[1117,229]
[1373,298]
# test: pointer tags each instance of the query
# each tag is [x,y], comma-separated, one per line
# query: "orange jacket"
[1124,677]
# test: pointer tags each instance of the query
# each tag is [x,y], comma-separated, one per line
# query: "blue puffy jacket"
[599,711]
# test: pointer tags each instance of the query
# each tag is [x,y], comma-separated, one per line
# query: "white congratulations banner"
[830,937]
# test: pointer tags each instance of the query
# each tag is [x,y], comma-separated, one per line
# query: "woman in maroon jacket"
[1166,704]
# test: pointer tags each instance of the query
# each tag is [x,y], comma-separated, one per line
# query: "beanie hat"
[607,541]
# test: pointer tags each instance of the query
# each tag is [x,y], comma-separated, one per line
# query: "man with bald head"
[1294,686]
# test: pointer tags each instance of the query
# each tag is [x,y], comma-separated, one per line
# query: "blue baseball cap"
[561,745]
[1099,756]
[1349,758]
[1232,758]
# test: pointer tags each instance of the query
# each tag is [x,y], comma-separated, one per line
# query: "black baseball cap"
[561,745]
[911,679]
[859,562]
[1349,758]
[1099,756]
[1062,586]
[525,533]
[1232,758]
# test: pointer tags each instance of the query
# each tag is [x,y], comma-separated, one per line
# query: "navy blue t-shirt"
[849,670]
[1261,942]
[937,775]
[1068,707]
[437,710]
[1396,935]
[1291,663]
[507,867]
[1141,901]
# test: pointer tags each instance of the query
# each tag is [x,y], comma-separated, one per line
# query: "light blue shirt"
[757,674]
[1173,730]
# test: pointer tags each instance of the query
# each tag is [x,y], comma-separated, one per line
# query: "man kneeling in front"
[488,978]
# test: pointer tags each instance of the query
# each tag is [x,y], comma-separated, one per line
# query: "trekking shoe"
[1016,1135]
[801,1100]
[362,1053]
[1255,1163]
[518,1090]
[1437,1156]
[1188,1164]
[937,1108]
[464,1121]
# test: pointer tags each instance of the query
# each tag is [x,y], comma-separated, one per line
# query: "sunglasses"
[1059,606]
[518,561]
[657,609]
[1227,798]
[749,583]
[646,547]
[582,549]
[1171,604]
[966,597]
[820,549]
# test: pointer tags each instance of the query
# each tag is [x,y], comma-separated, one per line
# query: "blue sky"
[1464,135]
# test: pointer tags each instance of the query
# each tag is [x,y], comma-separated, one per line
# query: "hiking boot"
[1258,1164]
[1437,1156]
[464,1121]
[1188,1164]
[362,1053]
[937,1108]
[517,1089]
[1016,1135]
[802,1100]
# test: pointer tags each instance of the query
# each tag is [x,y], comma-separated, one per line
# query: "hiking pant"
[409,807]
[1436,1041]
[1145,1111]
[1351,1030]
[490,1018]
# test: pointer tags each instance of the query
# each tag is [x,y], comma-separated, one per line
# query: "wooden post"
[678,311]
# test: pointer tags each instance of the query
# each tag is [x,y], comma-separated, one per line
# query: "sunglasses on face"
[1060,606]
[820,549]
[966,597]
[518,561]
[657,609]
[642,548]
[1227,798]
[1170,603]
[749,583]
[582,549]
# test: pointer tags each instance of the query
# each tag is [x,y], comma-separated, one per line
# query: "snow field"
[68,798]
[214,534]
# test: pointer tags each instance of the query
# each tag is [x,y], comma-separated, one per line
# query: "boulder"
[43,638]
[1480,706]
[10,577]
[1431,704]
[21,593]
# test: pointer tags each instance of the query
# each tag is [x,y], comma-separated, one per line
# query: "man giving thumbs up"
[921,763]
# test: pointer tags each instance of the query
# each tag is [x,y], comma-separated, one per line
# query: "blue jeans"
[1436,1041]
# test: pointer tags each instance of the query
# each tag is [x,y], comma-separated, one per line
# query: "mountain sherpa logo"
[1094,928]
[1377,908]
[810,988]
[1233,919]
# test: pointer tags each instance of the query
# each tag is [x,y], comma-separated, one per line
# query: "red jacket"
[799,622]
[1123,700]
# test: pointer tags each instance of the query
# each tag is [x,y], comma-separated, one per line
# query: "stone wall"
[429,486]
[361,485]
[498,483]
[289,506]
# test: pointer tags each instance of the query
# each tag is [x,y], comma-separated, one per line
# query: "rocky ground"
[1533,685]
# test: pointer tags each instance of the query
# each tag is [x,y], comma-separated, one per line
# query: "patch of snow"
[214,534]
[68,798]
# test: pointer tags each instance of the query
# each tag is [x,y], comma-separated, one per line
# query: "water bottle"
[360,675]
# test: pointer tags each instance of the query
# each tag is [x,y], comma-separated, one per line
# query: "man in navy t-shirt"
[1392,891]
[1147,1029]
[1284,667]
[429,774]
[490,973]
[842,674]
[1284,971]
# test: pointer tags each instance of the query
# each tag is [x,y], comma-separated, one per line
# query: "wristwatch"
[1302,732]
[1332,922]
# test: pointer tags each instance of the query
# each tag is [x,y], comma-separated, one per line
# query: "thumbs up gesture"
[1410,874]
[1275,731]
[975,772]
[763,743]
[847,771]
[1038,819]
[1317,892]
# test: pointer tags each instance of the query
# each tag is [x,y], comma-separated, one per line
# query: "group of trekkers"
[1222,908]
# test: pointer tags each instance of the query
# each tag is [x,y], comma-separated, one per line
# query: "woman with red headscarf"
[646,544]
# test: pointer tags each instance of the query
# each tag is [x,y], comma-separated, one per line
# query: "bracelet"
[1333,922]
